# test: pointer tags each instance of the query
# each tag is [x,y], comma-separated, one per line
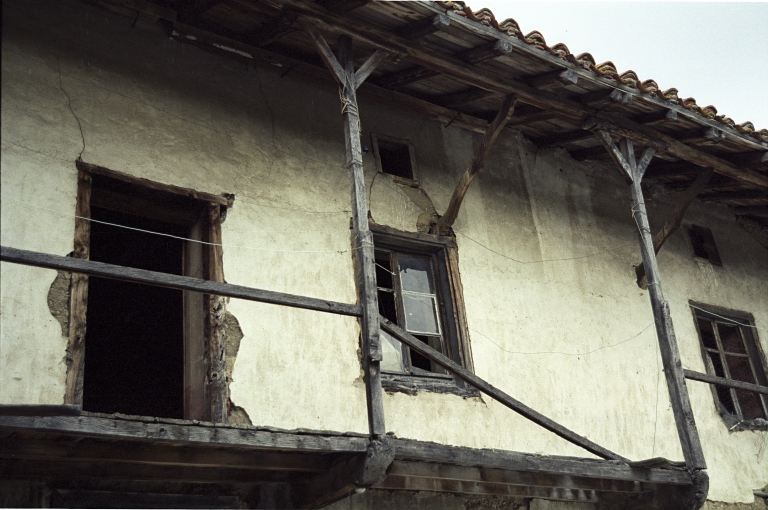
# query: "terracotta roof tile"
[606,69]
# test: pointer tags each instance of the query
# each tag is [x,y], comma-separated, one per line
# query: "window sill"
[411,384]
[735,424]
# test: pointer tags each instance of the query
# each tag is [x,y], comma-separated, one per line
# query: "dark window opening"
[394,157]
[732,352]
[134,360]
[145,346]
[703,244]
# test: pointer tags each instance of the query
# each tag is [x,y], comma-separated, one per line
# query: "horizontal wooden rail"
[517,406]
[721,381]
[129,274]
[40,410]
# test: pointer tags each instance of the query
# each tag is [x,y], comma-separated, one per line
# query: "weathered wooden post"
[381,451]
[670,355]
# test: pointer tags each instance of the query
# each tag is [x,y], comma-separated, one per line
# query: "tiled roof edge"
[606,69]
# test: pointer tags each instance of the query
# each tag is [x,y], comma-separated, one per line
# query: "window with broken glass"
[415,291]
[730,351]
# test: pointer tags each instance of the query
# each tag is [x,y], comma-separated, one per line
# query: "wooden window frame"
[213,388]
[754,354]
[443,251]
[396,178]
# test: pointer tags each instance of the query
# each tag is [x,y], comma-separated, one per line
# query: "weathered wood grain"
[174,281]
[721,381]
[78,293]
[476,165]
[215,308]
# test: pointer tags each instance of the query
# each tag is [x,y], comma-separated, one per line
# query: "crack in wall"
[69,103]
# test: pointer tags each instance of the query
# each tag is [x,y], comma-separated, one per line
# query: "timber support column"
[343,70]
[670,355]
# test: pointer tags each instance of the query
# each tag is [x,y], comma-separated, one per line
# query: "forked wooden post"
[670,355]
[343,70]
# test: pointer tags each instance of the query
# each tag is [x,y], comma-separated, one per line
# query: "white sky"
[716,52]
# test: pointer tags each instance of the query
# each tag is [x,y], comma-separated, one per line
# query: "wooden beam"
[284,25]
[754,158]
[661,117]
[722,381]
[333,65]
[560,138]
[39,410]
[171,281]
[216,387]
[134,452]
[341,6]
[753,210]
[670,355]
[424,27]
[78,293]
[741,194]
[554,79]
[488,51]
[464,98]
[400,79]
[476,165]
[602,98]
[443,471]
[369,66]
[496,81]
[674,220]
[198,434]
[194,8]
[550,465]
[478,383]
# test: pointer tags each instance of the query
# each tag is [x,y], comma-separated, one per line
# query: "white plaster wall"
[546,247]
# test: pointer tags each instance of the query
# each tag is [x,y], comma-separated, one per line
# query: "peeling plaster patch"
[233,334]
[58,300]
[421,200]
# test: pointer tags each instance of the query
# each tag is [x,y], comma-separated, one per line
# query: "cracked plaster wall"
[571,336]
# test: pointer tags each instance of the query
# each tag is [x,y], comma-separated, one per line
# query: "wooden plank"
[409,449]
[191,9]
[670,355]
[661,117]
[187,192]
[343,5]
[142,453]
[400,79]
[673,222]
[423,27]
[78,293]
[39,410]
[369,66]
[753,210]
[517,406]
[742,194]
[489,51]
[170,281]
[364,256]
[616,155]
[497,82]
[463,98]
[284,25]
[326,54]
[216,387]
[417,469]
[105,499]
[728,383]
[185,434]
[476,165]
[553,80]
[409,483]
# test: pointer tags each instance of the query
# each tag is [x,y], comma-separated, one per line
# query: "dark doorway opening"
[134,356]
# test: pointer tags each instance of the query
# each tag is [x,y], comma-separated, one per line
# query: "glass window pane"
[391,352]
[707,334]
[723,394]
[420,314]
[424,363]
[730,337]
[751,407]
[740,369]
[415,275]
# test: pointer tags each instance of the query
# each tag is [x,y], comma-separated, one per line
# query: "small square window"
[703,244]
[730,351]
[395,158]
